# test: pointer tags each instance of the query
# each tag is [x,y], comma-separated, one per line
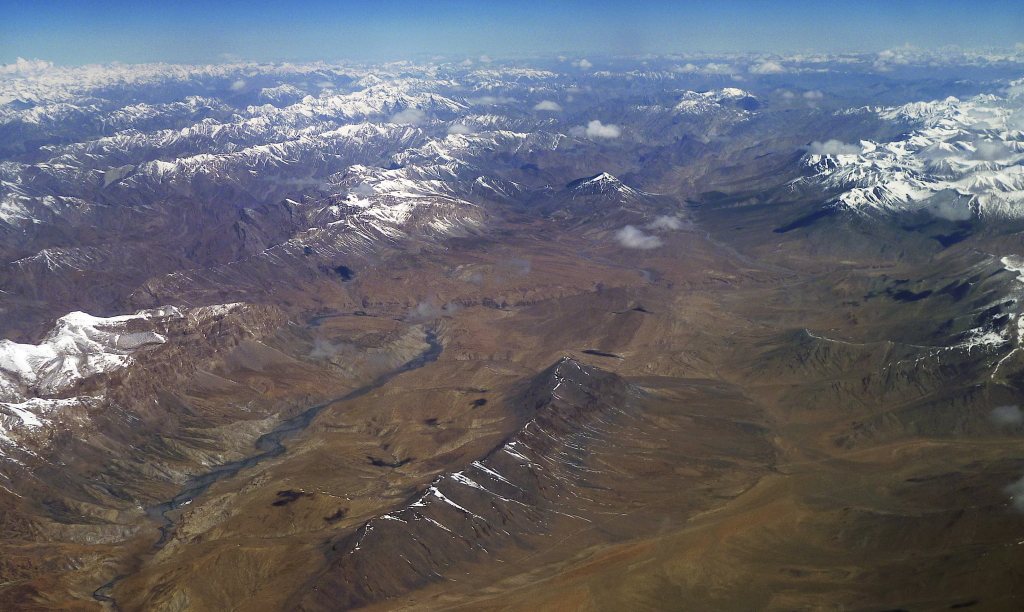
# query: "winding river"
[269,445]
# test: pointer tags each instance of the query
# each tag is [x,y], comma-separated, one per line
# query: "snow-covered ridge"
[40,390]
[693,103]
[393,203]
[80,345]
[962,158]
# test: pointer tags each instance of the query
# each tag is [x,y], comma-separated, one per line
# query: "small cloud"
[788,95]
[632,238]
[489,100]
[237,85]
[584,64]
[990,150]
[485,59]
[460,128]
[24,66]
[411,116]
[1006,416]
[767,68]
[833,147]
[325,349]
[813,95]
[665,222]
[547,105]
[425,310]
[686,68]
[362,189]
[562,58]
[325,85]
[715,68]
[519,266]
[1016,492]
[595,129]
[466,62]
[951,205]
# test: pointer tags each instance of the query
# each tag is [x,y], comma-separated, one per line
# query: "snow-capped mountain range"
[106,189]
[128,181]
[959,159]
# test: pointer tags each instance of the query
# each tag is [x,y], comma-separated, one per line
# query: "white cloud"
[632,238]
[362,189]
[813,95]
[714,68]
[237,85]
[412,116]
[466,62]
[902,56]
[425,310]
[518,266]
[666,222]
[489,100]
[595,129]
[325,349]
[1008,416]
[547,105]
[990,150]
[24,66]
[584,64]
[833,147]
[1016,492]
[951,205]
[562,58]
[788,95]
[685,68]
[767,68]
[485,59]
[460,128]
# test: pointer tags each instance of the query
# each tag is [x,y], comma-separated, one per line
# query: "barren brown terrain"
[409,368]
[695,431]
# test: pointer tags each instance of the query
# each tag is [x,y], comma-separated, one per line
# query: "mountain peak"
[599,182]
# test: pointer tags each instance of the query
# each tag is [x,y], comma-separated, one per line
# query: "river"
[270,444]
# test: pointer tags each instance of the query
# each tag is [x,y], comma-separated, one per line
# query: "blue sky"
[91,31]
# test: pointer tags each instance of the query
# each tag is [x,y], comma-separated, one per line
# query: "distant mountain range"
[724,333]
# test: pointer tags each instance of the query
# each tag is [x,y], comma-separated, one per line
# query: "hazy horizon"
[202,32]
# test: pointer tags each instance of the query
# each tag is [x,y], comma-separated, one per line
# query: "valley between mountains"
[293,346]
